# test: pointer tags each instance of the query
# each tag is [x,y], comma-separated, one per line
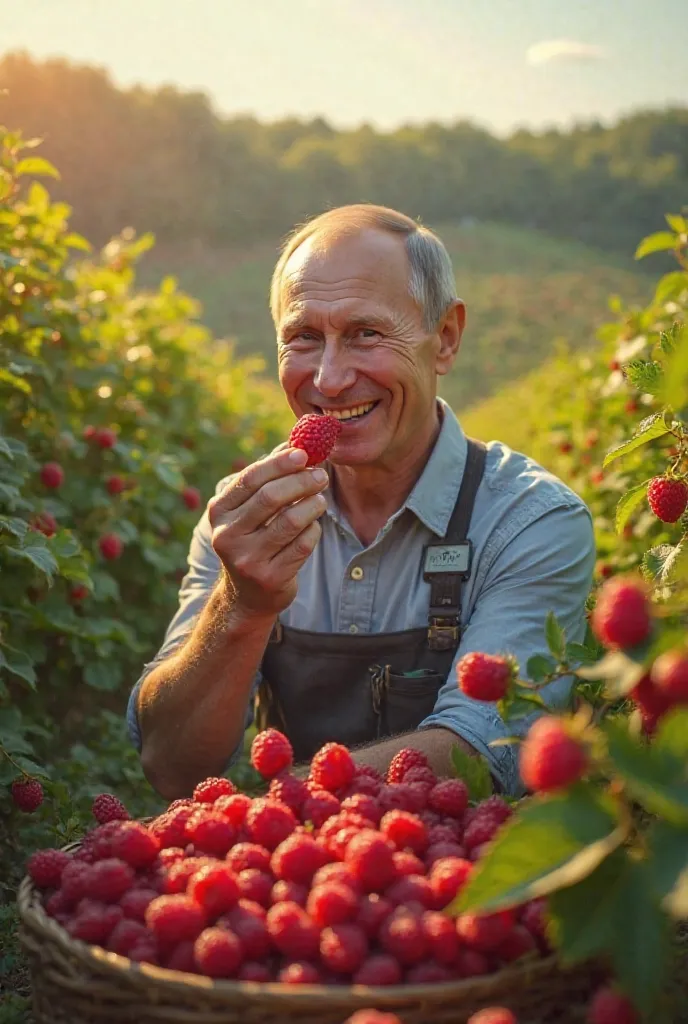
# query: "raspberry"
[104,437]
[27,794]
[299,973]
[289,892]
[46,866]
[363,804]
[372,911]
[98,842]
[336,872]
[75,881]
[298,858]
[210,832]
[94,922]
[363,784]
[135,844]
[319,806]
[182,958]
[441,834]
[111,546]
[379,969]
[251,971]
[174,918]
[210,790]
[407,863]
[44,523]
[115,484]
[269,822]
[621,617]
[256,885]
[372,1017]
[471,964]
[344,819]
[337,844]
[449,797]
[440,933]
[405,831]
[233,808]
[343,947]
[496,806]
[191,496]
[125,935]
[397,796]
[145,951]
[447,879]
[610,1006]
[177,876]
[370,858]
[519,942]
[550,758]
[649,697]
[108,808]
[292,931]
[484,932]
[332,767]
[669,674]
[289,790]
[484,676]
[52,475]
[403,936]
[249,926]
[481,829]
[493,1015]
[420,774]
[316,434]
[248,855]
[109,880]
[428,973]
[411,889]
[534,917]
[215,888]
[418,793]
[217,953]
[403,761]
[182,802]
[332,903]
[667,498]
[441,851]
[271,753]
[135,902]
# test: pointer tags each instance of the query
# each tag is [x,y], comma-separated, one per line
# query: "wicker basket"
[74,983]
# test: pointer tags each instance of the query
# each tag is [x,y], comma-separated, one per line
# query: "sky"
[501,63]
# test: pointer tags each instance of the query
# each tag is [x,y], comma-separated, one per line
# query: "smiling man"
[342,597]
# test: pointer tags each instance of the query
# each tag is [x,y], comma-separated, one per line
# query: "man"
[326,589]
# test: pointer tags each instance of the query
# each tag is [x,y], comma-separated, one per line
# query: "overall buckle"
[443,632]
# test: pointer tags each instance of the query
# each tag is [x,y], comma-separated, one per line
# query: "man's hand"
[265,527]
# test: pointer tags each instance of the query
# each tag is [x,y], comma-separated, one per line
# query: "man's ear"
[449,330]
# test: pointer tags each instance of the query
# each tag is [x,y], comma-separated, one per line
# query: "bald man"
[335,602]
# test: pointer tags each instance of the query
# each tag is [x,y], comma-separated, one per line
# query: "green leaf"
[676,223]
[581,913]
[645,376]
[655,561]
[539,666]
[551,843]
[555,636]
[672,734]
[168,473]
[628,503]
[64,545]
[668,859]
[19,664]
[676,369]
[671,286]
[75,241]
[651,428]
[579,653]
[660,241]
[12,524]
[39,556]
[104,675]
[520,705]
[618,669]
[654,777]
[36,165]
[5,449]
[474,772]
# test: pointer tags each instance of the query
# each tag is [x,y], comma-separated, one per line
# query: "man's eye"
[368,333]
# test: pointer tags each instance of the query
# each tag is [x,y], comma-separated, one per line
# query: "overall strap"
[448,562]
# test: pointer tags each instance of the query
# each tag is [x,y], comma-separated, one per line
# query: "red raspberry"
[370,857]
[363,785]
[497,806]
[191,496]
[428,973]
[621,617]
[405,831]
[233,808]
[115,484]
[104,437]
[109,880]
[442,834]
[210,832]
[550,758]
[289,790]
[534,917]
[145,951]
[210,790]
[649,698]
[217,953]
[269,823]
[319,806]
[135,844]
[406,863]
[609,1006]
[379,969]
[248,922]
[111,546]
[420,774]
[27,794]
[403,936]
[669,675]
[484,932]
[256,885]
[332,903]
[404,760]
[332,767]
[372,911]
[519,942]
[667,498]
[298,858]
[480,830]
[363,804]
[338,873]
[251,971]
[411,889]
[108,808]
[177,876]
[397,796]
[44,523]
[449,797]
[440,933]
[367,770]
[493,1015]
[75,881]
[338,843]
[98,842]
[271,753]
[94,922]
[52,475]
[441,851]
[248,855]
[343,947]
[344,819]
[292,931]
[316,434]
[372,1017]
[215,888]
[135,902]
[125,935]
[484,676]
[299,973]
[289,892]
[182,958]
[472,964]
[447,879]
[182,802]
[46,866]
[175,918]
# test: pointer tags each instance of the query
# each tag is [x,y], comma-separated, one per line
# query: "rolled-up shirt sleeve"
[196,588]
[548,566]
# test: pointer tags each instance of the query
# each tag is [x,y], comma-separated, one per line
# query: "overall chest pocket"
[401,700]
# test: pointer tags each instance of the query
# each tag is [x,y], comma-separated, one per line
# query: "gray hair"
[432,284]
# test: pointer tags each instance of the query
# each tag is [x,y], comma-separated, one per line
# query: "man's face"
[350,337]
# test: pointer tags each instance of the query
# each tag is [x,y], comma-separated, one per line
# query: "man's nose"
[335,372]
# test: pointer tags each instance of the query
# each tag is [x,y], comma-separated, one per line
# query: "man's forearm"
[192,706]
[435,743]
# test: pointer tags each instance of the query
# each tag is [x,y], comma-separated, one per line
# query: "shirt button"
[353,628]
[357,573]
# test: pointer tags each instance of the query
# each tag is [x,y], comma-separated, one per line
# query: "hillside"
[523,290]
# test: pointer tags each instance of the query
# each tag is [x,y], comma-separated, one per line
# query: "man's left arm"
[548,566]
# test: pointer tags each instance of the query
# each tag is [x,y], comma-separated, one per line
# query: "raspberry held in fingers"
[316,435]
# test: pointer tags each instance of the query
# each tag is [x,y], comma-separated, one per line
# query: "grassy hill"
[524,290]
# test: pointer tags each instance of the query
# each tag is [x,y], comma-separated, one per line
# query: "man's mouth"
[351,413]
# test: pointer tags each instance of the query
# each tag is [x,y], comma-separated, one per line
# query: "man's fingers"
[250,480]
[290,559]
[291,522]
[274,499]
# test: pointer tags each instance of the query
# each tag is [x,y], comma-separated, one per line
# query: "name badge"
[449,558]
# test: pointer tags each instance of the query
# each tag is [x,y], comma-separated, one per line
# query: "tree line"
[165,160]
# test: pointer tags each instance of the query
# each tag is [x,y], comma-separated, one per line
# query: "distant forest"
[165,161]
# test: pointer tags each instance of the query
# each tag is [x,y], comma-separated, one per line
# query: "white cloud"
[552,51]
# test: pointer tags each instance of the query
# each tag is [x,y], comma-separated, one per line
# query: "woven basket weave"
[74,983]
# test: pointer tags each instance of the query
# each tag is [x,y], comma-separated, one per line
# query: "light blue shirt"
[534,552]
